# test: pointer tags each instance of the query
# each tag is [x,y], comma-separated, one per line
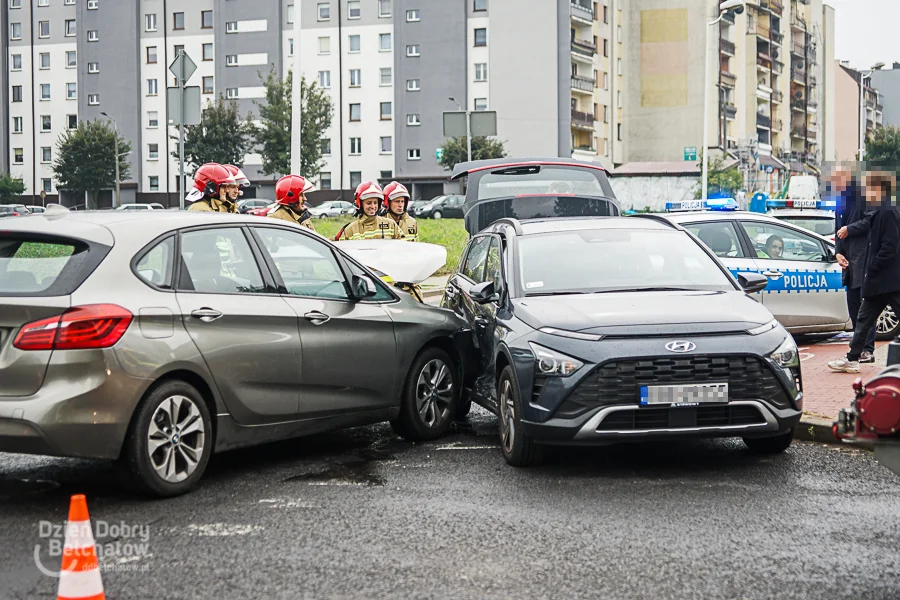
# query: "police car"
[805,292]
[813,215]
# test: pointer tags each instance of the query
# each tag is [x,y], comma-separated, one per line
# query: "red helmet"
[290,188]
[207,180]
[239,176]
[367,190]
[394,190]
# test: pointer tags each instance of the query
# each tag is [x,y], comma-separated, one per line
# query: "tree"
[221,137]
[883,145]
[273,137]
[483,148]
[10,188]
[85,160]
[721,180]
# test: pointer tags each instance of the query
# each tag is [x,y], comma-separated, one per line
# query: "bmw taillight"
[79,328]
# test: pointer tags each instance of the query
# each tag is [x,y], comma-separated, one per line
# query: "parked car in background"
[13,210]
[442,207]
[262,211]
[414,204]
[36,210]
[332,208]
[245,206]
[141,206]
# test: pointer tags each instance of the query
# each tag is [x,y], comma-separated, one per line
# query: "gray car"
[158,338]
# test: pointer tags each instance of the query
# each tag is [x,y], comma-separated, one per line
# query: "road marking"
[805,354]
[457,447]
[221,529]
[285,503]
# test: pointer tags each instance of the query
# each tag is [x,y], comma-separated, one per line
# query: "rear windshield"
[41,267]
[544,179]
[537,207]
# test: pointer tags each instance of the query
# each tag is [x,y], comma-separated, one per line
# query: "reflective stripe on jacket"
[369,228]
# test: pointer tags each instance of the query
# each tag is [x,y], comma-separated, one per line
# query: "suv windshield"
[603,260]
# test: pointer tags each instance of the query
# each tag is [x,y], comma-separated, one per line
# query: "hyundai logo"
[681,347]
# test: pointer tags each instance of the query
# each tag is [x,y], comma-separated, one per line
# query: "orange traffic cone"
[79,577]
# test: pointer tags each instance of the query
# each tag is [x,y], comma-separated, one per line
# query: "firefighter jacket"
[370,228]
[214,205]
[286,213]
[408,226]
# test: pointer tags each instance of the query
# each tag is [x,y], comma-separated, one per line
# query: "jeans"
[867,319]
[854,301]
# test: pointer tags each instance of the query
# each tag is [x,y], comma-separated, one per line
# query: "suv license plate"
[684,395]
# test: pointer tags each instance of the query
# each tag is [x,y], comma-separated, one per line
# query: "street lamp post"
[738,7]
[468,128]
[117,200]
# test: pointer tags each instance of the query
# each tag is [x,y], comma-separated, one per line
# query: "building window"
[481,72]
[387,174]
[354,44]
[480,37]
[94,67]
[207,51]
[384,9]
[355,78]
[46,123]
[94,99]
[619,132]
[178,49]
[353,10]
[413,50]
[606,147]
[231,93]
[154,183]
[152,119]
[231,27]
[16,62]
[93,36]
[606,48]
[72,91]
[150,22]
[480,5]
[387,111]
[17,125]
[619,66]
[15,31]
[412,85]
[178,21]
[412,16]
[152,87]
[70,28]
[606,81]
[45,91]
[153,151]
[355,146]
[206,19]
[619,99]
[325,79]
[387,144]
[151,55]
[481,104]
[290,46]
[606,15]
[414,154]
[355,178]
[208,85]
[17,93]
[71,59]
[18,156]
[46,154]
[290,14]
[325,146]
[619,34]
[93,4]
[605,114]
[413,120]
[46,185]
[44,57]
[324,45]
[384,42]
[387,76]
[43,2]
[231,60]
[325,180]
[43,29]
[15,3]
[355,112]
[324,11]
[72,121]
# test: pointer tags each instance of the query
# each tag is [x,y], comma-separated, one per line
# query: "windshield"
[601,260]
[820,225]
[437,200]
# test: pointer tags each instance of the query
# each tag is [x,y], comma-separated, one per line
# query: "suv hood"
[629,314]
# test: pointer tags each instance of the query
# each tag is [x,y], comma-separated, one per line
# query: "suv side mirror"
[363,287]
[484,293]
[752,282]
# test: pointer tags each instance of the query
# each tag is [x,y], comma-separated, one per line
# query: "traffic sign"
[183,67]
[690,153]
[191,105]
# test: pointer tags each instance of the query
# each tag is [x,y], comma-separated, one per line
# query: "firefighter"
[210,189]
[396,202]
[369,225]
[290,194]
[240,181]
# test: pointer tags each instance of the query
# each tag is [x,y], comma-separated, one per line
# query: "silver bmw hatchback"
[155,339]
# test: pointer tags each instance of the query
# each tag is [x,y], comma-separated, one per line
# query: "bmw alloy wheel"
[434,393]
[887,321]
[507,417]
[175,439]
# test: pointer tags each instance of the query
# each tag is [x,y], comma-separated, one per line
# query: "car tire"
[139,469]
[770,445]
[888,325]
[323,216]
[430,396]
[437,215]
[518,448]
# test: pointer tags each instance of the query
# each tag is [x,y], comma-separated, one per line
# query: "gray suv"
[158,338]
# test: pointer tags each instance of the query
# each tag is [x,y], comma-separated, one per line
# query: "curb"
[812,429]
[435,293]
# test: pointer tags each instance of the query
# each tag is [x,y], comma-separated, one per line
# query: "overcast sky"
[867,31]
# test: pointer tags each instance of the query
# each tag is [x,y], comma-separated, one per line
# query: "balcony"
[797,23]
[763,31]
[729,17]
[727,47]
[812,80]
[799,49]
[585,148]
[728,79]
[776,6]
[730,112]
[583,84]
[777,125]
[581,12]
[778,97]
[763,121]
[778,67]
[798,132]
[764,61]
[798,105]
[799,77]
[777,37]
[584,47]
[582,120]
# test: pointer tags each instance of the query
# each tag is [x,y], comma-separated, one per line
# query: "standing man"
[369,225]
[851,231]
[290,194]
[396,202]
[210,193]
[881,280]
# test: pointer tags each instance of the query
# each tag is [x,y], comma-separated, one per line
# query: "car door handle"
[317,318]
[773,274]
[207,315]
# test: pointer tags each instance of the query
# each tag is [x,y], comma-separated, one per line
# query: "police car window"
[822,226]
[476,259]
[721,238]
[564,181]
[307,266]
[492,266]
[773,242]
[218,261]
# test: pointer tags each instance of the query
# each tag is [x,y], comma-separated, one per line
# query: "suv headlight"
[786,355]
[550,363]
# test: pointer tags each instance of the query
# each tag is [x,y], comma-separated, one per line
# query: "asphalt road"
[362,514]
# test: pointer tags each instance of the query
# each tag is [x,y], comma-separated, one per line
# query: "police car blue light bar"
[807,203]
[710,204]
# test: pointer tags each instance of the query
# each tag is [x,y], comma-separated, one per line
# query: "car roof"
[559,224]
[697,216]
[464,168]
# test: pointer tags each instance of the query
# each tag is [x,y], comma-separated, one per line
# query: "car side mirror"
[484,293]
[363,287]
[752,282]
[830,255]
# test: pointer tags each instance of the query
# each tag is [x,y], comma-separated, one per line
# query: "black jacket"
[852,214]
[883,254]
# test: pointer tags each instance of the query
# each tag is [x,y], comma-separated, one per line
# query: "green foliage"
[274,135]
[10,188]
[222,136]
[883,145]
[85,159]
[483,148]
[721,179]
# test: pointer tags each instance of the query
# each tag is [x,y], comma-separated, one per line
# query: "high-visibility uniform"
[213,205]
[286,213]
[408,226]
[370,228]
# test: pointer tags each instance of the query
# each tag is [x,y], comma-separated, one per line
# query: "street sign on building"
[690,153]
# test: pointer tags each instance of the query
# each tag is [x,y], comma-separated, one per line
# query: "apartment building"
[856,97]
[887,82]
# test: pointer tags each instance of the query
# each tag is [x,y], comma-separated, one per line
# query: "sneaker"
[842,365]
[866,357]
